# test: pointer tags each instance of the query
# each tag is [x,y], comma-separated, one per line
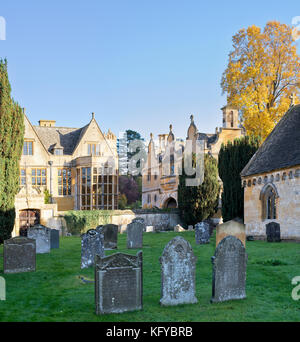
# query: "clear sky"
[138,64]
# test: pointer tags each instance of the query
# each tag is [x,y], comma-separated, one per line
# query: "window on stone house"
[64,182]
[22,177]
[149,198]
[94,149]
[38,177]
[149,176]
[28,148]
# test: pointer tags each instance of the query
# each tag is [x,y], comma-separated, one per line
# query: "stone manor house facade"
[77,167]
[160,188]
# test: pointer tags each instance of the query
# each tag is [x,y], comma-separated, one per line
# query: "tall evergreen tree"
[11,143]
[198,203]
[233,157]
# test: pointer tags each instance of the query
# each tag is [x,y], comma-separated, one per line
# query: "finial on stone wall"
[293,99]
[93,115]
[192,118]
[151,136]
[171,127]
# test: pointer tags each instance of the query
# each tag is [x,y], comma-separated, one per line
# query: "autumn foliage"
[262,73]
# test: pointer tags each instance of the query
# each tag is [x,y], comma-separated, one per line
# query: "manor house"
[64,168]
[159,187]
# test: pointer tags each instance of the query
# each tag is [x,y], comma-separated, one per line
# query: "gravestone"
[118,283]
[234,227]
[150,229]
[140,220]
[110,232]
[202,234]
[92,244]
[19,255]
[178,269]
[42,235]
[179,229]
[54,239]
[229,270]
[135,235]
[273,232]
[190,228]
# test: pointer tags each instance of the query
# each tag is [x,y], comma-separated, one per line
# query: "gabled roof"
[68,138]
[281,149]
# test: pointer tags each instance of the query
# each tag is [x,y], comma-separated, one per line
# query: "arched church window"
[231,118]
[269,203]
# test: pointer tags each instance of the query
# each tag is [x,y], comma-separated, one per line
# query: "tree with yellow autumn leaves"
[262,73]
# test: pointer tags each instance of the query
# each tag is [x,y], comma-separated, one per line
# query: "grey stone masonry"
[119,283]
[19,255]
[178,273]
[42,235]
[229,270]
[92,244]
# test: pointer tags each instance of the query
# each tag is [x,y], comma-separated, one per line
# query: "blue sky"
[138,65]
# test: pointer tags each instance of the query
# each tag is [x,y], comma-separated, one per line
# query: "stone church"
[160,188]
[271,181]
[76,168]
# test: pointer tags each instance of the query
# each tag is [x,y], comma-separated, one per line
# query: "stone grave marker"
[135,235]
[179,229]
[229,270]
[231,228]
[118,283]
[178,269]
[42,235]
[202,234]
[54,239]
[140,220]
[19,255]
[92,244]
[273,232]
[110,232]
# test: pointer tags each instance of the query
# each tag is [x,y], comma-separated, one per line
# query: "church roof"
[68,138]
[281,149]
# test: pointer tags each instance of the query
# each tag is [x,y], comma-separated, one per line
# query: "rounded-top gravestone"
[135,235]
[92,244]
[202,233]
[42,235]
[178,269]
[110,232]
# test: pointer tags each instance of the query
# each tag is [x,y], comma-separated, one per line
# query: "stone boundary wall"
[162,221]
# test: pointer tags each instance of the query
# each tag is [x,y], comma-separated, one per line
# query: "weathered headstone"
[42,235]
[231,228]
[54,238]
[135,235]
[179,229]
[273,232]
[202,234]
[140,220]
[190,228]
[110,232]
[178,269]
[150,229]
[118,283]
[19,255]
[229,270]
[92,244]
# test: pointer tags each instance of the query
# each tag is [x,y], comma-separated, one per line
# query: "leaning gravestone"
[118,283]
[273,232]
[92,244]
[110,232]
[202,233]
[54,238]
[229,270]
[135,235]
[42,235]
[234,227]
[178,269]
[19,255]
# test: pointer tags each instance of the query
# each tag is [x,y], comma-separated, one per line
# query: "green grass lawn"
[55,293]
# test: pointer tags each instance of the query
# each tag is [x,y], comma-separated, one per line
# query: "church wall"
[287,204]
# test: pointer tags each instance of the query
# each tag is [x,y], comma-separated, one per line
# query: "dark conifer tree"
[11,143]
